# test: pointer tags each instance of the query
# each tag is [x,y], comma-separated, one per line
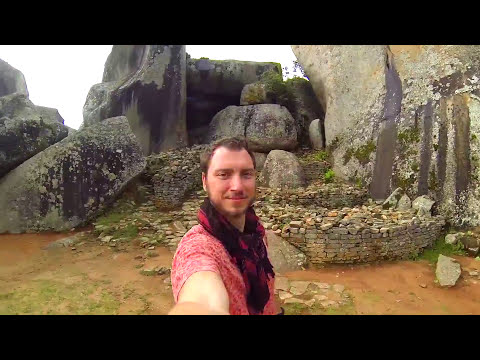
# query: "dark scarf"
[247,249]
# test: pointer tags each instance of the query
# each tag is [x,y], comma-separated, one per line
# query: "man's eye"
[248,175]
[222,175]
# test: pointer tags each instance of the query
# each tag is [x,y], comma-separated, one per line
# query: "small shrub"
[441,247]
[329,175]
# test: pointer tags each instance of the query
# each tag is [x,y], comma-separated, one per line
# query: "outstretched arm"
[202,294]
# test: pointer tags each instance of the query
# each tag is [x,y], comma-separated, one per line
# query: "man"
[221,265]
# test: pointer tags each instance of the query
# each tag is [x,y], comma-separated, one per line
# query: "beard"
[231,212]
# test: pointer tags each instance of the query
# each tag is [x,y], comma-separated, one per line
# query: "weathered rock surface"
[315,135]
[282,169]
[266,126]
[423,205]
[256,93]
[305,108]
[25,130]
[212,85]
[284,256]
[448,271]
[404,203]
[72,181]
[403,115]
[11,80]
[260,159]
[147,84]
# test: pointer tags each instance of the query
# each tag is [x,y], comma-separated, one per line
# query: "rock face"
[282,170]
[305,108]
[283,256]
[72,181]
[212,85]
[147,84]
[403,116]
[266,126]
[25,130]
[448,271]
[315,135]
[11,80]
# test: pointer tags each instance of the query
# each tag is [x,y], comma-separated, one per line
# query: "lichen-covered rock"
[11,80]
[423,205]
[212,85]
[72,181]
[260,160]
[25,130]
[448,271]
[404,203]
[147,84]
[403,115]
[255,93]
[282,170]
[393,199]
[266,126]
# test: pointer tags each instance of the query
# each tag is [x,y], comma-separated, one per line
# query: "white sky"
[60,76]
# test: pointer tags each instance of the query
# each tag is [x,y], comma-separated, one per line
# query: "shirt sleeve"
[194,254]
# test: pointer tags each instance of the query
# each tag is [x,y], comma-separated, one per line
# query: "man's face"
[230,182]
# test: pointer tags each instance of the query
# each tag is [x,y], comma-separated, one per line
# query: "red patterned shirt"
[200,251]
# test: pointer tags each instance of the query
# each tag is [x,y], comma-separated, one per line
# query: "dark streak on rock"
[442,147]
[461,122]
[382,173]
[426,151]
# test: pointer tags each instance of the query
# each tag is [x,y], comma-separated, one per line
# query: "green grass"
[54,297]
[440,247]
[329,175]
[317,156]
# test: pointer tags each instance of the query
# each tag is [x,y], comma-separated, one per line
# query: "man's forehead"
[226,158]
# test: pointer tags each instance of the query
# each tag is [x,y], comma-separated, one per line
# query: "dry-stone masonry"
[175,174]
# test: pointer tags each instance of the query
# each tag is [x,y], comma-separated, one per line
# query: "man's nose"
[236,183]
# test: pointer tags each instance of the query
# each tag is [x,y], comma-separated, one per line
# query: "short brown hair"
[231,143]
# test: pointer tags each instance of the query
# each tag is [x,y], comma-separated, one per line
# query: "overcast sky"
[60,76]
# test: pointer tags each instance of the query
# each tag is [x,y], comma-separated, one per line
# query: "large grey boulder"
[11,80]
[25,130]
[315,133]
[403,115]
[393,199]
[147,84]
[266,126]
[448,271]
[212,85]
[72,181]
[282,170]
[284,256]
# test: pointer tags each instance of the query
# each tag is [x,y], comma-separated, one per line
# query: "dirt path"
[96,279]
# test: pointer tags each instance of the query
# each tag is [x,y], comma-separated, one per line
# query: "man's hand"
[202,294]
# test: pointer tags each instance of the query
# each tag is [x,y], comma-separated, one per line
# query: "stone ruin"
[409,122]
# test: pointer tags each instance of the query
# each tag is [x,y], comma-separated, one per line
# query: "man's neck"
[238,222]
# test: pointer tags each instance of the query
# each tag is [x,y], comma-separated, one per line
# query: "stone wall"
[317,195]
[175,174]
[334,240]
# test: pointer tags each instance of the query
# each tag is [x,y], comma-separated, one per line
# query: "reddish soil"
[390,288]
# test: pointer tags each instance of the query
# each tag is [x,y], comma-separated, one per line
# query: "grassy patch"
[329,176]
[440,247]
[317,156]
[54,297]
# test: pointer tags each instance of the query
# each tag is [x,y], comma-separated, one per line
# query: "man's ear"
[204,181]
